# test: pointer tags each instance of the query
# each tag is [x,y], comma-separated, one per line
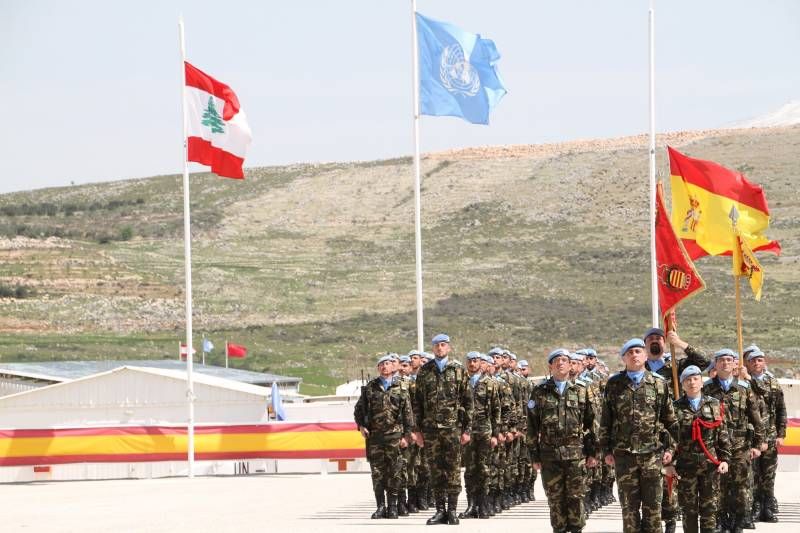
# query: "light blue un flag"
[457,74]
[277,404]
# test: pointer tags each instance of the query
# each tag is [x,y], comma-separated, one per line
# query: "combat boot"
[452,503]
[391,511]
[747,523]
[505,500]
[402,507]
[440,517]
[422,497]
[498,505]
[597,490]
[755,512]
[380,512]
[772,503]
[483,506]
[736,524]
[470,504]
[767,515]
[411,501]
[669,526]
[690,523]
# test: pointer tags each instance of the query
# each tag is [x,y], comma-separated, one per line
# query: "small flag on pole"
[746,265]
[235,350]
[276,403]
[217,129]
[457,73]
[208,346]
[183,350]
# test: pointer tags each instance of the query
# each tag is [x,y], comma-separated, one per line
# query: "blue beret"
[412,353]
[749,349]
[576,356]
[385,358]
[474,355]
[755,353]
[590,352]
[582,351]
[496,351]
[441,337]
[557,353]
[489,359]
[711,366]
[405,359]
[512,356]
[523,363]
[690,370]
[394,356]
[725,352]
[653,331]
[633,343]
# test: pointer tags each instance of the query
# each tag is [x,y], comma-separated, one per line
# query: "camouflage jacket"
[508,415]
[635,418]
[486,406]
[385,413]
[443,400]
[689,455]
[741,411]
[521,392]
[693,357]
[561,426]
[774,406]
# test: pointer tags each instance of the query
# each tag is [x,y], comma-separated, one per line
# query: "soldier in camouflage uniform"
[521,460]
[384,417]
[529,473]
[406,503]
[483,437]
[418,493]
[655,342]
[508,422]
[562,436]
[741,410]
[594,473]
[636,410]
[770,394]
[699,458]
[443,410]
[511,462]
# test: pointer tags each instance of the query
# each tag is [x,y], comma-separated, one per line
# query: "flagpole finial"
[734,215]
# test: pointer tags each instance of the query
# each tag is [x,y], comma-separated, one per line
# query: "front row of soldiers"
[697,455]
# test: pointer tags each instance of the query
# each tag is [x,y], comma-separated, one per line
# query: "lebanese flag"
[183,350]
[235,350]
[217,130]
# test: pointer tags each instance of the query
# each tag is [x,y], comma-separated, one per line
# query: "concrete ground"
[285,503]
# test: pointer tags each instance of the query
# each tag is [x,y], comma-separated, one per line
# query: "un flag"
[457,73]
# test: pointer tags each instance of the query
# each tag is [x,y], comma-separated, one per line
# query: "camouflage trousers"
[764,473]
[407,468]
[497,471]
[444,460]
[511,466]
[423,470]
[564,485]
[385,463]
[734,486]
[523,464]
[639,487]
[477,459]
[669,500]
[698,491]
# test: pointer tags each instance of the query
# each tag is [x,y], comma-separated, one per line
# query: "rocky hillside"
[312,266]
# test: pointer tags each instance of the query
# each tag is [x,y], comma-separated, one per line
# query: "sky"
[92,87]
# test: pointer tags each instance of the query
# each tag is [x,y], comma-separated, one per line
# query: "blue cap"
[690,370]
[512,355]
[755,353]
[749,349]
[557,353]
[405,359]
[387,357]
[591,352]
[653,331]
[725,352]
[394,356]
[496,351]
[474,355]
[711,366]
[412,353]
[522,363]
[441,337]
[488,358]
[633,343]
[576,356]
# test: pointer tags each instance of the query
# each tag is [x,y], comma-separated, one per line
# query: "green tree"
[212,119]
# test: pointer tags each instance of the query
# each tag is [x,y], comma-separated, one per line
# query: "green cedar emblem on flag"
[212,119]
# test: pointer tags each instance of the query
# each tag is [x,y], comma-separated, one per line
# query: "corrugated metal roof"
[69,370]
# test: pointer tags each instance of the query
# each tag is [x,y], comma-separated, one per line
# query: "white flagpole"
[653,266]
[187,246]
[226,354]
[417,201]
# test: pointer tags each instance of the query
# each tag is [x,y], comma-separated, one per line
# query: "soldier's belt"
[380,438]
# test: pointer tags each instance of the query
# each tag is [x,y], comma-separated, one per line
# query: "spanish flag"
[746,265]
[703,194]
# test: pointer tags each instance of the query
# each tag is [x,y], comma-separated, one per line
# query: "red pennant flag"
[677,277]
[235,350]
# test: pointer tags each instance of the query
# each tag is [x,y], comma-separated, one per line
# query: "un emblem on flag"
[457,74]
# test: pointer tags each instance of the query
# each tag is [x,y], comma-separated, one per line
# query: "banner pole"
[739,320]
[187,246]
[417,200]
[653,266]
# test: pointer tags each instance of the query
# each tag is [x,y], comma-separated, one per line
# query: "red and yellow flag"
[703,194]
[746,265]
[677,277]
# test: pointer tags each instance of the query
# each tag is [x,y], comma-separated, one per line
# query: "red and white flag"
[217,131]
[183,350]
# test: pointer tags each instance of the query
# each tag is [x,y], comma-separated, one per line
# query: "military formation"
[706,458]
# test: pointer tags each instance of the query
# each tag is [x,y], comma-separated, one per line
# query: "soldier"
[741,410]
[594,473]
[766,387]
[702,453]
[520,494]
[658,361]
[562,436]
[508,422]
[483,437]
[511,466]
[384,417]
[418,493]
[406,502]
[443,408]
[636,409]
[529,474]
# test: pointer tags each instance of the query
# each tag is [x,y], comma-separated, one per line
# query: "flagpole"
[739,319]
[204,350]
[187,247]
[417,201]
[653,266]
[226,354]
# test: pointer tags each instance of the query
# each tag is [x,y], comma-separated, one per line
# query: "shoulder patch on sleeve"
[531,404]
[580,382]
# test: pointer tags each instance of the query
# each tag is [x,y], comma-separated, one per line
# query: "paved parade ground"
[285,503]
